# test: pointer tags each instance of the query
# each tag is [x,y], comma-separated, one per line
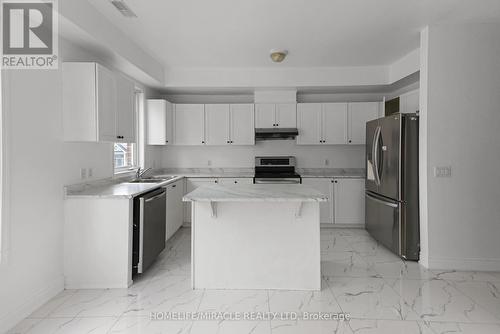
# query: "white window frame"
[138,102]
[4,170]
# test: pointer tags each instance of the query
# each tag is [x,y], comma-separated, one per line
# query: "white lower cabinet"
[346,202]
[349,201]
[175,191]
[235,180]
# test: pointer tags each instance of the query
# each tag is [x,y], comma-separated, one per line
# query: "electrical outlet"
[209,163]
[442,171]
[327,162]
[83,173]
[90,172]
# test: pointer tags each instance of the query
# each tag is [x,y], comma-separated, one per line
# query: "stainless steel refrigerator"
[391,185]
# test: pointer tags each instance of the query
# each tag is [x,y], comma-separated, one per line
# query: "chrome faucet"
[140,172]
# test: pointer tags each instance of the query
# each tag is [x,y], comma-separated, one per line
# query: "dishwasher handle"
[162,194]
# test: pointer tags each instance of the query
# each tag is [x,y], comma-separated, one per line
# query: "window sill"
[125,171]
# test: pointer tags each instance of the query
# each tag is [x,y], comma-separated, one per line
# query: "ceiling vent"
[123,8]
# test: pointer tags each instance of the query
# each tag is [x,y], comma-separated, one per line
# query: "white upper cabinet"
[189,124]
[217,124]
[309,116]
[106,104]
[125,110]
[334,123]
[214,124]
[98,105]
[265,115]
[359,114]
[160,122]
[281,115]
[321,123]
[242,124]
[286,115]
[349,201]
[409,102]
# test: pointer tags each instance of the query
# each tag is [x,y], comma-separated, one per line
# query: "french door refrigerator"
[391,185]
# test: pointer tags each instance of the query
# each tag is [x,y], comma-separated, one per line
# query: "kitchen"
[268,171]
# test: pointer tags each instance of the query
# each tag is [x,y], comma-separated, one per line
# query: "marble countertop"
[255,193]
[332,172]
[119,188]
[122,189]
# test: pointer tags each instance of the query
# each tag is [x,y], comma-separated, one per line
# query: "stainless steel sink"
[152,179]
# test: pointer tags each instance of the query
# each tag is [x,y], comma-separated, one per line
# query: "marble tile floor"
[380,292]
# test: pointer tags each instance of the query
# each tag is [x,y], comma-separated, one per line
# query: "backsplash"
[336,156]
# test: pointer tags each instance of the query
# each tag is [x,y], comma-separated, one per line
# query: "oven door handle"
[277,181]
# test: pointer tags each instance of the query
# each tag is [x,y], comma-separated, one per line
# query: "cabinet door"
[217,124]
[409,102]
[192,184]
[80,116]
[242,124]
[125,110]
[174,207]
[169,126]
[334,123]
[157,122]
[349,199]
[265,115]
[106,104]
[189,124]
[235,180]
[309,123]
[286,115]
[359,114]
[323,185]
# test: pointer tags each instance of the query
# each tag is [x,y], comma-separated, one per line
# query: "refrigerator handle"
[376,138]
[378,200]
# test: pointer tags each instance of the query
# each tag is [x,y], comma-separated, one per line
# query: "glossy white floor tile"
[380,292]
[439,300]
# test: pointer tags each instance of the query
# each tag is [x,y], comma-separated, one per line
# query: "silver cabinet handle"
[378,200]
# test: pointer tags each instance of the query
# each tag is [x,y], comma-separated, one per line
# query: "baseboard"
[33,302]
[75,285]
[465,264]
[357,226]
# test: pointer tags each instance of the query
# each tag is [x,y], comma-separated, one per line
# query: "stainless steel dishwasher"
[149,229]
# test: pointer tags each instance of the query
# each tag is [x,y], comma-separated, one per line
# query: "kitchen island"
[257,236]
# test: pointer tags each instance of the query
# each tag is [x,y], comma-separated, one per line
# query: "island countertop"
[255,193]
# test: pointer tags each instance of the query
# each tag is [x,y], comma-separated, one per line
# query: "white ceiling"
[317,33]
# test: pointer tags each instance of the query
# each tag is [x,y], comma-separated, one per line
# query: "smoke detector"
[123,8]
[278,55]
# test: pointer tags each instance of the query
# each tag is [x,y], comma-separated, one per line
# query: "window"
[126,155]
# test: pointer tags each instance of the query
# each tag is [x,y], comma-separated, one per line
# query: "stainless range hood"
[275,133]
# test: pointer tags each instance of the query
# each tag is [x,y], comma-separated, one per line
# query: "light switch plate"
[442,171]
[90,172]
[83,173]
